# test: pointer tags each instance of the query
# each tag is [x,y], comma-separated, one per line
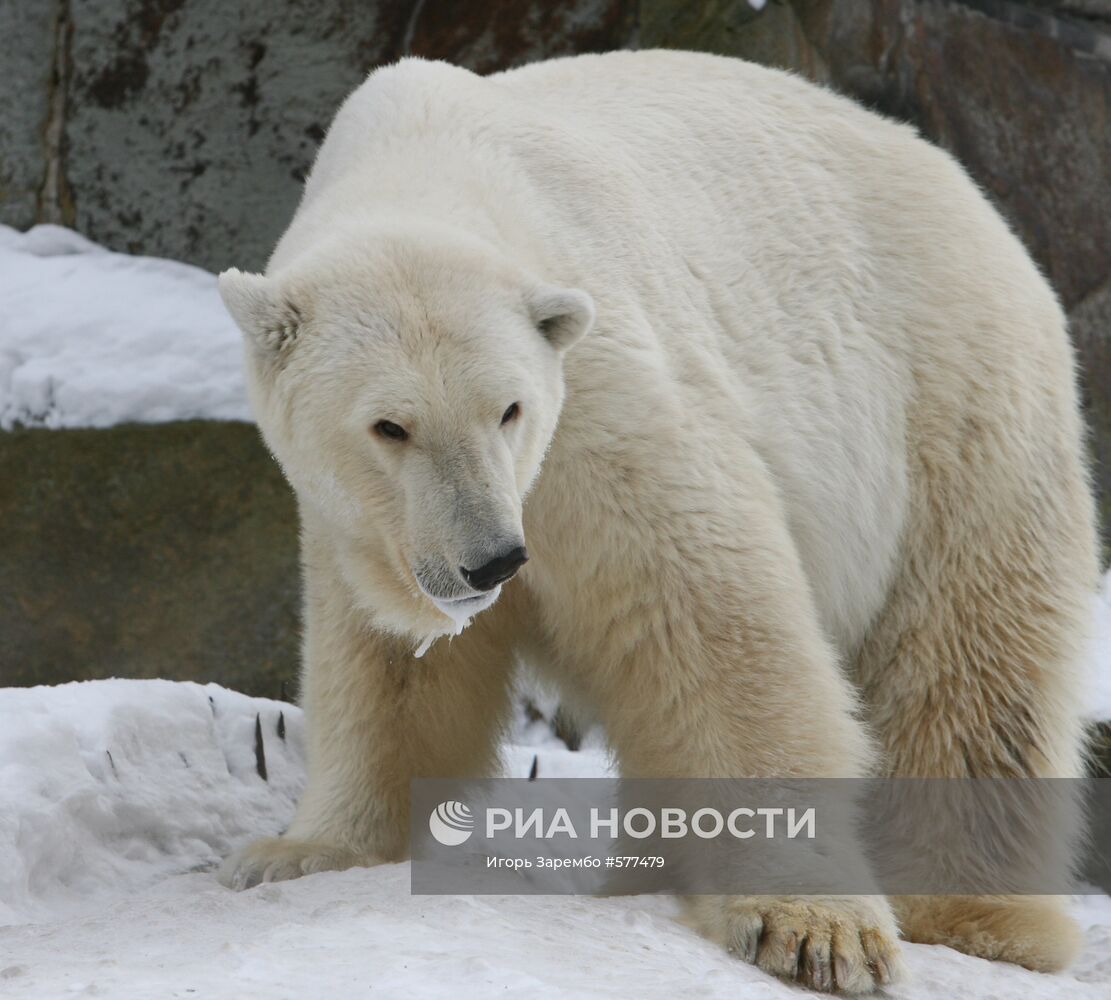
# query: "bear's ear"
[262,312]
[563,315]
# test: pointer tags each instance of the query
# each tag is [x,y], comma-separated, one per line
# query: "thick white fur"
[818,460]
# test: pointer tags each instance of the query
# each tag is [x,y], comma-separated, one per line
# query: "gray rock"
[189,127]
[165,550]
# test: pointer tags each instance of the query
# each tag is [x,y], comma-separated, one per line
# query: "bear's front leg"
[794,720]
[726,673]
[377,717]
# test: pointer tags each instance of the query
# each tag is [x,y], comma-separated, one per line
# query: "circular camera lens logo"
[451,823]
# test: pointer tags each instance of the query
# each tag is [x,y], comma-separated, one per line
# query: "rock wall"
[148,550]
[184,128]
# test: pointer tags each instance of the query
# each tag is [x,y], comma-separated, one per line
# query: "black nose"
[497,570]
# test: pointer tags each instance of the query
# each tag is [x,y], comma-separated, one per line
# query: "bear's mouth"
[459,609]
[462,609]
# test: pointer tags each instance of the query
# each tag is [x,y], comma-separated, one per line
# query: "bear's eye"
[388,429]
[513,411]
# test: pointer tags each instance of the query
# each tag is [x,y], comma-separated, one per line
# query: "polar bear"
[733,407]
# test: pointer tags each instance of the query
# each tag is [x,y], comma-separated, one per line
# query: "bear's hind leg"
[971,670]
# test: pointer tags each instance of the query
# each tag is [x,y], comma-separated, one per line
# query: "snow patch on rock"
[91,338]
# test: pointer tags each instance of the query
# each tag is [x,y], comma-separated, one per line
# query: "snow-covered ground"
[117,798]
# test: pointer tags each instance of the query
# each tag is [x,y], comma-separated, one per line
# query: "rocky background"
[183,128]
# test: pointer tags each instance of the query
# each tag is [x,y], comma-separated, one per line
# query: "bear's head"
[409,382]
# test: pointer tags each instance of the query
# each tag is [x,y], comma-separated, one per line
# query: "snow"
[110,786]
[91,338]
[1097,704]
[360,933]
[118,797]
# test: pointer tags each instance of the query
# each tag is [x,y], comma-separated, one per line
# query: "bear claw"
[832,945]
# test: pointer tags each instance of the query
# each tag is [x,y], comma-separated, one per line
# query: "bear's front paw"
[846,944]
[275,859]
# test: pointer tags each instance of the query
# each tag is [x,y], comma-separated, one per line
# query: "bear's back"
[628,156]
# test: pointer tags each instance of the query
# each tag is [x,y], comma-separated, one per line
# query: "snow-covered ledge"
[91,338]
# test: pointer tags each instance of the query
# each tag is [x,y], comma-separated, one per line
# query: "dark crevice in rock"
[55,201]
[411,28]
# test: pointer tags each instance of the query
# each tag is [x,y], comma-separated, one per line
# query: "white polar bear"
[784,413]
